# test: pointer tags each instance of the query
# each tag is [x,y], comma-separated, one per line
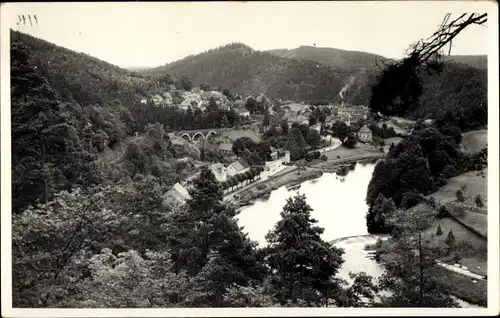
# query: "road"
[461,270]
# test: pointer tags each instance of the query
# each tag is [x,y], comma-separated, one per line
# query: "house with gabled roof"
[219,171]
[157,100]
[226,147]
[178,193]
[237,167]
[365,134]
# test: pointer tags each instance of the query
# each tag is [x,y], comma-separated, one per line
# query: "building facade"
[365,134]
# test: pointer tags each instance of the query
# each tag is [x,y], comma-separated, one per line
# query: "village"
[237,173]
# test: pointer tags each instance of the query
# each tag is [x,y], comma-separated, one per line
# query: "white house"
[167,99]
[243,112]
[219,171]
[365,134]
[178,193]
[237,167]
[226,148]
[157,100]
[144,101]
[287,156]
[190,101]
[274,153]
[316,127]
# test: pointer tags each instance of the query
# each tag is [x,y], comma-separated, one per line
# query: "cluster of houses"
[300,112]
[197,98]
[223,173]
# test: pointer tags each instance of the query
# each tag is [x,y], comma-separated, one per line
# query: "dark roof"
[244,163]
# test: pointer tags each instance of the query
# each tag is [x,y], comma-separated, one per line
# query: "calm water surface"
[339,206]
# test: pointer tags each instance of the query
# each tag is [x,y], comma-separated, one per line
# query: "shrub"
[324,158]
[458,211]
[443,212]
[439,231]
[261,186]
[411,199]
[479,201]
[450,239]
[432,202]
[460,196]
[449,171]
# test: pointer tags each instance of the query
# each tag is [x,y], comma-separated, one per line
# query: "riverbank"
[358,251]
[293,175]
[262,190]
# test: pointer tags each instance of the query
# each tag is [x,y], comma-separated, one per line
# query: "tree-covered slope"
[336,58]
[80,77]
[241,69]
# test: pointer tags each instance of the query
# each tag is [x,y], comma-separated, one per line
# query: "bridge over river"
[198,134]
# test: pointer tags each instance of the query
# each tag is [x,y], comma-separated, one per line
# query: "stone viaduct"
[198,134]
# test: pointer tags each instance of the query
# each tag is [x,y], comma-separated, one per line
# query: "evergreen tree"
[439,231]
[302,264]
[47,153]
[409,261]
[212,105]
[207,241]
[479,201]
[450,238]
[265,121]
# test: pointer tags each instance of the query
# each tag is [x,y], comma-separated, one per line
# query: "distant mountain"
[244,70]
[477,61]
[336,58]
[137,68]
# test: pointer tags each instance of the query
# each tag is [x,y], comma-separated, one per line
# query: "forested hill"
[80,77]
[336,58]
[459,90]
[352,60]
[243,70]
[249,72]
[477,61]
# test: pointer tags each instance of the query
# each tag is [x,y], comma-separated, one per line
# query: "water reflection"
[338,203]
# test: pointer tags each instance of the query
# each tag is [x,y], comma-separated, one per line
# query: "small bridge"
[198,134]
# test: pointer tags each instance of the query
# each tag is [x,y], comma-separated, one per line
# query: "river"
[339,206]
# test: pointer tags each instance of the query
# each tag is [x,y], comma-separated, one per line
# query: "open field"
[474,141]
[461,233]
[462,286]
[232,135]
[475,185]
[345,153]
[477,221]
[474,258]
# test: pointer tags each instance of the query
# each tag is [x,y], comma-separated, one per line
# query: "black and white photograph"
[249,158]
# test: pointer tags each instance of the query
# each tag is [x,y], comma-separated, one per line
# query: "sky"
[138,34]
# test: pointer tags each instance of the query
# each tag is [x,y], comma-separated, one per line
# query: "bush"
[479,201]
[450,239]
[351,141]
[458,210]
[439,231]
[449,171]
[411,199]
[443,212]
[324,158]
[460,196]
